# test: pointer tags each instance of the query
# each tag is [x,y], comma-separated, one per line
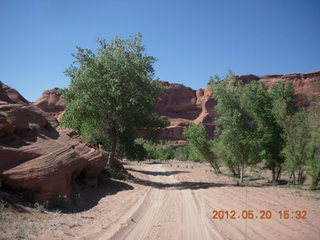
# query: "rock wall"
[182,105]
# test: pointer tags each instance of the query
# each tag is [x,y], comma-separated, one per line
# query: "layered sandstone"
[37,158]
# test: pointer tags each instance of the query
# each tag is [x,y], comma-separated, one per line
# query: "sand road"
[171,202]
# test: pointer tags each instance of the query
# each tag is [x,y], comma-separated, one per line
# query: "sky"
[192,39]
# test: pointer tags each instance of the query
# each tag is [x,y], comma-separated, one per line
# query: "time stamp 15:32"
[263,214]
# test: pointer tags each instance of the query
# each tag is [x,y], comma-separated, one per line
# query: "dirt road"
[174,200]
[177,203]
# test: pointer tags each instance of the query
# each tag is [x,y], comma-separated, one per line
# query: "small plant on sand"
[61,202]
[22,233]
[41,207]
[33,126]
[116,173]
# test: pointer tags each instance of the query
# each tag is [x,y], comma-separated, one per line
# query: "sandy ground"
[173,201]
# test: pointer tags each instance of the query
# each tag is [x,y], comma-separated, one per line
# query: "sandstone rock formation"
[306,85]
[51,102]
[10,95]
[181,106]
[38,158]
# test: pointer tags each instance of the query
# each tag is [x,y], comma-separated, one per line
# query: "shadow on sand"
[186,184]
[154,173]
[180,185]
[90,197]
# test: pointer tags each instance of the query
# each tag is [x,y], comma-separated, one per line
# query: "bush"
[61,202]
[163,151]
[41,207]
[181,153]
[200,145]
[34,127]
[116,173]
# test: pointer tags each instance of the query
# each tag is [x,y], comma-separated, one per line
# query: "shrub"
[34,127]
[41,207]
[116,173]
[60,202]
[165,150]
[181,153]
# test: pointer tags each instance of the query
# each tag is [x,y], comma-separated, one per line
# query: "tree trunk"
[314,183]
[273,175]
[231,168]
[294,178]
[278,173]
[241,173]
[215,166]
[290,180]
[111,161]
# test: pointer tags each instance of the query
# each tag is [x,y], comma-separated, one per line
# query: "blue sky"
[192,39]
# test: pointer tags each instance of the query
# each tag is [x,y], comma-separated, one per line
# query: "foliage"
[61,202]
[116,173]
[235,128]
[302,149]
[261,105]
[148,146]
[181,153]
[226,158]
[201,145]
[295,151]
[112,94]
[313,147]
[248,126]
[163,150]
[34,127]
[41,207]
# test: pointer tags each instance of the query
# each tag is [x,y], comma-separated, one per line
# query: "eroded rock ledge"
[38,158]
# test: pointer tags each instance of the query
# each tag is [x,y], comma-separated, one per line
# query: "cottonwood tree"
[112,93]
[295,151]
[262,106]
[250,130]
[302,149]
[198,141]
[235,126]
[313,147]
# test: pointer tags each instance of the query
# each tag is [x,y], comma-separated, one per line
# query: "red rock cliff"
[182,105]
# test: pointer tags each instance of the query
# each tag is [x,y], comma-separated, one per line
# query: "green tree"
[302,149]
[235,126]
[199,142]
[260,105]
[226,158]
[295,151]
[112,95]
[313,147]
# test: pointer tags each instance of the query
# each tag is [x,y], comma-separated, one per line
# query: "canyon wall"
[182,105]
